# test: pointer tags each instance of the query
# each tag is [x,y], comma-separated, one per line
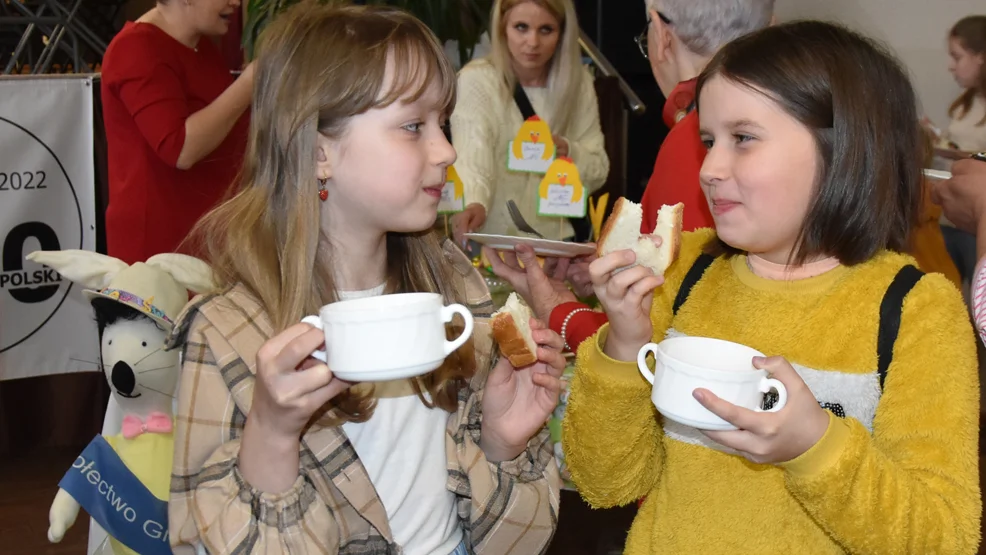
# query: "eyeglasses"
[641,39]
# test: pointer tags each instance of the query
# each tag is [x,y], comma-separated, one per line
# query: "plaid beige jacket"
[504,508]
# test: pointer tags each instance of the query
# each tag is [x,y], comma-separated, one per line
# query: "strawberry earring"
[323,194]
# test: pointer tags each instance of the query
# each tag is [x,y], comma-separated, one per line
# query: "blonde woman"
[273,453]
[534,45]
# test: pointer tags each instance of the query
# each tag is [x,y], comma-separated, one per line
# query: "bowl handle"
[316,322]
[447,313]
[768,384]
[642,361]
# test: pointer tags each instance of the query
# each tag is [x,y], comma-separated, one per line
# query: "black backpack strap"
[891,309]
[694,274]
[524,103]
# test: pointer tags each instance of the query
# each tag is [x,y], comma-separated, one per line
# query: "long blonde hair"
[566,73]
[317,68]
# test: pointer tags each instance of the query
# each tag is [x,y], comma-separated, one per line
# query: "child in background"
[967,53]
[966,131]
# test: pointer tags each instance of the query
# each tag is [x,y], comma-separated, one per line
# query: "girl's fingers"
[621,283]
[547,381]
[656,239]
[323,395]
[627,278]
[270,349]
[554,361]
[298,349]
[635,296]
[601,270]
[547,338]
[304,382]
[742,418]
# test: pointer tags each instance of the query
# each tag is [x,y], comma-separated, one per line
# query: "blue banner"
[117,500]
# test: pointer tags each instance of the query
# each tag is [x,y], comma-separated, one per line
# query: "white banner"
[47,202]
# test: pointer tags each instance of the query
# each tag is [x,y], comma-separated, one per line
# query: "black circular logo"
[35,214]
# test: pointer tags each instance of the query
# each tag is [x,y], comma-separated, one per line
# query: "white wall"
[915,29]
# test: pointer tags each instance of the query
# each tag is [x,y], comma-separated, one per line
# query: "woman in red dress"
[176,125]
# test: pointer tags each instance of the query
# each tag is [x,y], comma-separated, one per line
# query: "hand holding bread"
[542,288]
[522,390]
[629,268]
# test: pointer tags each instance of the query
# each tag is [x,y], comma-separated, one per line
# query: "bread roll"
[512,331]
[622,231]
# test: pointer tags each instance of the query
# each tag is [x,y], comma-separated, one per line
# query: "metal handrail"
[63,28]
[636,105]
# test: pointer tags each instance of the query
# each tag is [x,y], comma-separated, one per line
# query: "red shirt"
[675,176]
[151,84]
[675,179]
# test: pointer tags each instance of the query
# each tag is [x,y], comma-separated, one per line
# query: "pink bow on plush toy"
[156,423]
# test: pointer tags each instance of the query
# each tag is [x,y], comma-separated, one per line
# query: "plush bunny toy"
[123,480]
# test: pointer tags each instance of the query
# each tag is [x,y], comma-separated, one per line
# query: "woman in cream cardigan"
[535,45]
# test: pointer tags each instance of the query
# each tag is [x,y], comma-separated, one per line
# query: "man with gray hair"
[702,27]
[680,38]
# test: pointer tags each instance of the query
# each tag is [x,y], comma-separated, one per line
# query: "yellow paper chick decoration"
[534,130]
[597,210]
[562,172]
[453,176]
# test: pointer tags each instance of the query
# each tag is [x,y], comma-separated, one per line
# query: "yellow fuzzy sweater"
[896,472]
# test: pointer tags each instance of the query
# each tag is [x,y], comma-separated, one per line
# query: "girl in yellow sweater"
[813,183]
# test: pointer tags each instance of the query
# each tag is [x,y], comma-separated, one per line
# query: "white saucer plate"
[542,247]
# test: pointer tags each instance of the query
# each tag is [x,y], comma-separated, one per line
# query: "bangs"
[415,64]
[373,57]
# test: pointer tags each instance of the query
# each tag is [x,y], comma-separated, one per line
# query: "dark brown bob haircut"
[857,101]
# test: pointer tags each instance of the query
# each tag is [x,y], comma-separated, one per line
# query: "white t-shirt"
[402,447]
[967,132]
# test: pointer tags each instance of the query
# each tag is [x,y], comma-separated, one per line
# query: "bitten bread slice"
[512,330]
[622,231]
